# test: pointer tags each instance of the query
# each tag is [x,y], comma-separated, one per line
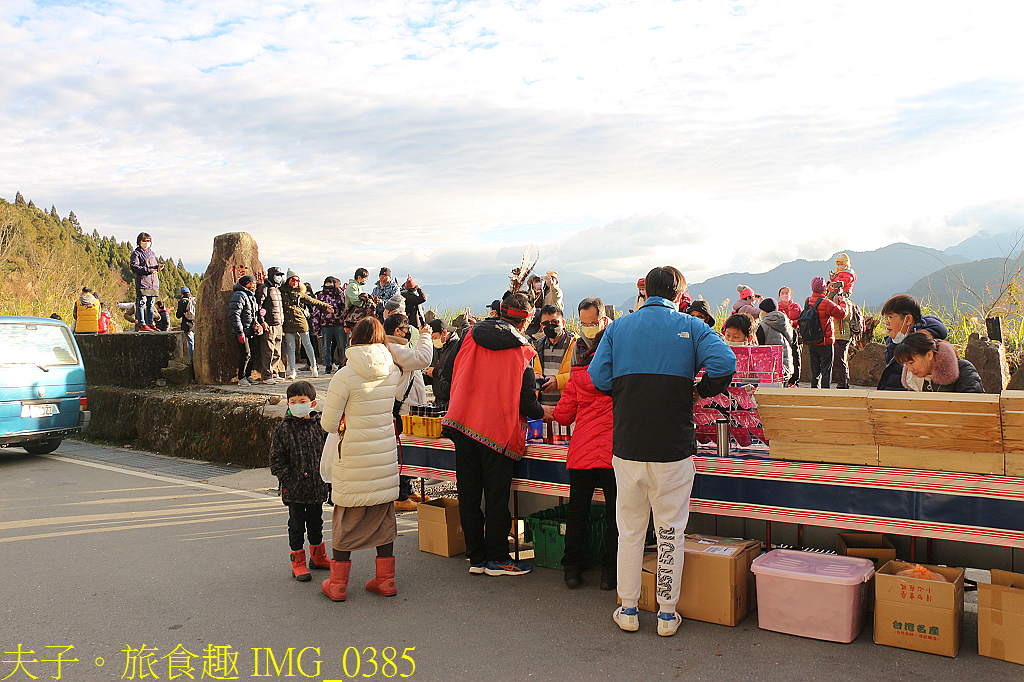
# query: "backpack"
[856,318]
[809,324]
[190,308]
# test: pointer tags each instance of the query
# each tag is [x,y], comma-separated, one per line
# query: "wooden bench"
[961,432]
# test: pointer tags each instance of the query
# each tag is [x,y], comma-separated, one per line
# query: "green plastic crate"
[546,528]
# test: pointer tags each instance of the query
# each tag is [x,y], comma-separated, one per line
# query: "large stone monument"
[867,364]
[235,255]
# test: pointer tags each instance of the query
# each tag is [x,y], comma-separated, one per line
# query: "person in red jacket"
[791,309]
[821,353]
[590,450]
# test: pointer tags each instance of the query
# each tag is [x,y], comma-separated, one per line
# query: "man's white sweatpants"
[664,488]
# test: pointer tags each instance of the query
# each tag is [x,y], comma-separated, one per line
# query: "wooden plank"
[844,414]
[810,397]
[1012,419]
[941,460]
[966,434]
[1013,434]
[1012,401]
[812,437]
[934,402]
[952,444]
[797,424]
[836,454]
[939,419]
[1014,464]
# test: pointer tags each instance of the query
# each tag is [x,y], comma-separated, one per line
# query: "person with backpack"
[850,326]
[186,312]
[817,329]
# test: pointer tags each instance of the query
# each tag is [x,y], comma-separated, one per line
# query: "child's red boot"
[299,571]
[318,556]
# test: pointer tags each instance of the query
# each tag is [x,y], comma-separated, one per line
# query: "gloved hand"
[241,338]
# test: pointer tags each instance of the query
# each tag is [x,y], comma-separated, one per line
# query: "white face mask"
[590,332]
[300,409]
[736,343]
[438,343]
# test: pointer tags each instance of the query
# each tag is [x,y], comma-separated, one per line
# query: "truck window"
[36,344]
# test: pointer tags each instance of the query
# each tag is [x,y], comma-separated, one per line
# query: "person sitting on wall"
[902,316]
[931,365]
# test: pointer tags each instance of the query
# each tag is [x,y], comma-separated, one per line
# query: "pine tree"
[19,200]
[53,210]
[73,219]
[31,204]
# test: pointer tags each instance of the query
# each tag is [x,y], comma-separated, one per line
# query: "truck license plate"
[35,411]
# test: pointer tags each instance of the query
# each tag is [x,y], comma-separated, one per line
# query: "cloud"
[432,134]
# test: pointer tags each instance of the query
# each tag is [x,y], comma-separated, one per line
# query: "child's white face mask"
[301,409]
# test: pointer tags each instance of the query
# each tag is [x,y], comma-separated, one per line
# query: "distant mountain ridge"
[881,273]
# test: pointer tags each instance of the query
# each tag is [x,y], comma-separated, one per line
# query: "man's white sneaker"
[627,619]
[668,623]
[271,381]
[244,382]
[314,372]
[290,377]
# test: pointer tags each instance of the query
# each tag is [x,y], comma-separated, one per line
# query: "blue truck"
[42,384]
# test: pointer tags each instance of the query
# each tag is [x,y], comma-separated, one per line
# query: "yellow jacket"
[564,369]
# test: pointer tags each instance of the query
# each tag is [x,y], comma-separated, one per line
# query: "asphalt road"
[110,560]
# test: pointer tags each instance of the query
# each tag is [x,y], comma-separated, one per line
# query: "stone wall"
[131,359]
[188,424]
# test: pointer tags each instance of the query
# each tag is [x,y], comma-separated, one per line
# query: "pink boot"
[384,582]
[336,587]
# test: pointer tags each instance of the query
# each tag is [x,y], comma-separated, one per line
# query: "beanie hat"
[244,281]
[745,291]
[641,282]
[396,302]
[818,285]
[843,261]
[384,271]
[409,284]
[291,273]
[768,305]
[185,290]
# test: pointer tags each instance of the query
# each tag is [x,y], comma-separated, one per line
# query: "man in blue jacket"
[647,361]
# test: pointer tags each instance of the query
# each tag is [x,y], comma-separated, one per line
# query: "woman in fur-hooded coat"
[931,365]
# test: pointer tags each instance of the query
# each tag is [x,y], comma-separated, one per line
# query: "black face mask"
[552,331]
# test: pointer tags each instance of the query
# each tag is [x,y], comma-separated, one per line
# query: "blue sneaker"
[510,567]
[668,623]
[477,569]
[627,619]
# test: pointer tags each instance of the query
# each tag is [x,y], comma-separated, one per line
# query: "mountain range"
[933,276]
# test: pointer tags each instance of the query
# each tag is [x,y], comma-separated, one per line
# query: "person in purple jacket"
[331,324]
[147,282]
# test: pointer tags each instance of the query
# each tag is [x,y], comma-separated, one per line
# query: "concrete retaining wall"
[188,424]
[130,359]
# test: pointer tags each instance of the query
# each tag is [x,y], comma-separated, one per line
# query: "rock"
[867,364]
[161,382]
[131,359]
[989,358]
[216,351]
[1016,381]
[178,373]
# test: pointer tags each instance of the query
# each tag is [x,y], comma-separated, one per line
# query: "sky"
[440,138]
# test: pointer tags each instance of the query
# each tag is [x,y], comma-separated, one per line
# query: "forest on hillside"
[45,260]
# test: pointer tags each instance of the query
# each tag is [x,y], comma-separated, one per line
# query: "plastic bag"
[331,452]
[919,572]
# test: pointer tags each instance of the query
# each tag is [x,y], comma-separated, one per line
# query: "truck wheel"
[42,447]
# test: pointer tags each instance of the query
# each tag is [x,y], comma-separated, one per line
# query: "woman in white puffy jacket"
[364,469]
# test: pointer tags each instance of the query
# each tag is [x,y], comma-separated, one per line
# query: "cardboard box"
[440,529]
[717,585]
[1001,617]
[874,546]
[922,615]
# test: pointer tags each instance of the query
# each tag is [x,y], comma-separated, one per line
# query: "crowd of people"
[627,385]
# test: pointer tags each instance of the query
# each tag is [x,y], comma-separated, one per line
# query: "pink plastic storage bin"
[812,595]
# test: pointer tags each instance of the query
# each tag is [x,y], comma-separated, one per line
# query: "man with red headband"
[493,392]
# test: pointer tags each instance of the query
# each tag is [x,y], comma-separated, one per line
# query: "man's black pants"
[482,472]
[582,483]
